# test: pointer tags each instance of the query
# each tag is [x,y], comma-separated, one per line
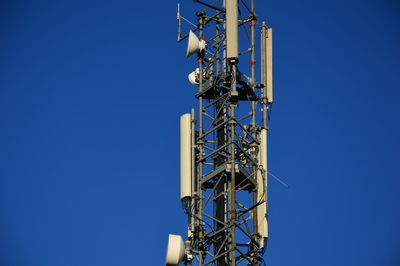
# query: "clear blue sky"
[90,98]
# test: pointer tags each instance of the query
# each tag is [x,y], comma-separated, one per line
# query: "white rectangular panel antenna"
[262,186]
[268,67]
[231,28]
[186,156]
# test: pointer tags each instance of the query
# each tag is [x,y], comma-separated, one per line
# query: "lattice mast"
[224,143]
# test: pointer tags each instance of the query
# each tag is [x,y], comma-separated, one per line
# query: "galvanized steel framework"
[228,180]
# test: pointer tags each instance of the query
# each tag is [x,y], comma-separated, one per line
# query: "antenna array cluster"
[224,142]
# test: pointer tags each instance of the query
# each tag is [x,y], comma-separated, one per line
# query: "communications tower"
[224,142]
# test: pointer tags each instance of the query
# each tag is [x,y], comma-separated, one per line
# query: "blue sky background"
[90,98]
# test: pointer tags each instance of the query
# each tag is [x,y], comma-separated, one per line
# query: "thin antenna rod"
[178,17]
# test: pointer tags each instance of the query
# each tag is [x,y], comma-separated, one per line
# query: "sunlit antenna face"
[175,250]
[194,44]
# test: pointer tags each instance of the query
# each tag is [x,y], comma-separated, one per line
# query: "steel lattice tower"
[225,166]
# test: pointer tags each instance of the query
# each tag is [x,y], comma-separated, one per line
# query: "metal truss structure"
[228,203]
